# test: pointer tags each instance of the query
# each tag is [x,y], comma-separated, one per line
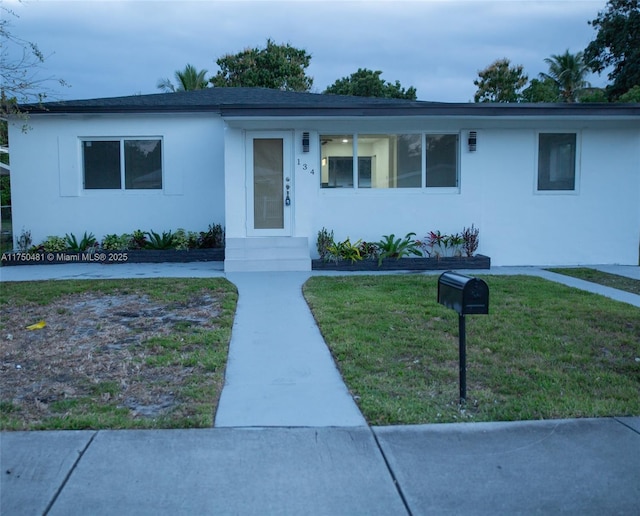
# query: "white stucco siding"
[47,176]
[235,183]
[597,223]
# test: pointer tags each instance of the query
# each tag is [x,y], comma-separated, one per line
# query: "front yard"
[113,354]
[544,351]
[151,353]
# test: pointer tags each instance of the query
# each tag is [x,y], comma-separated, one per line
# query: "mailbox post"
[467,296]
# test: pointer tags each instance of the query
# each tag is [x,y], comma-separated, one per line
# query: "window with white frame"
[122,163]
[387,161]
[557,161]
[442,160]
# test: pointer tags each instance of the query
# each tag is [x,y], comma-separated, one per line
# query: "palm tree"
[188,79]
[568,72]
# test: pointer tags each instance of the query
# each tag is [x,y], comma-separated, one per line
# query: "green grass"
[168,290]
[545,350]
[197,356]
[602,278]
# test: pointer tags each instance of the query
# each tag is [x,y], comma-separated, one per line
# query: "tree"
[545,90]
[279,67]
[617,45]
[633,95]
[367,83]
[188,79]
[19,81]
[500,82]
[567,71]
[593,95]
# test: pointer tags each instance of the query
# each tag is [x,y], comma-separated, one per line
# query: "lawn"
[141,353]
[602,278]
[545,350]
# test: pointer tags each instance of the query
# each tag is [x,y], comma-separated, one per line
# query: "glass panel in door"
[268,189]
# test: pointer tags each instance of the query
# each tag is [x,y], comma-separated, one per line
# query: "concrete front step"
[260,254]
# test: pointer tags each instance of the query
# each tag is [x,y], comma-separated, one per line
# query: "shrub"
[113,242]
[180,240]
[159,242]
[53,244]
[324,242]
[369,250]
[84,244]
[345,251]
[138,240]
[392,247]
[213,237]
[471,241]
[444,245]
[454,243]
[439,245]
[183,240]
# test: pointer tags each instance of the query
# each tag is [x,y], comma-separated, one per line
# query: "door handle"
[287,201]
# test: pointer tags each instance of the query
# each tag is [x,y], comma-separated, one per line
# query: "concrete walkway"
[280,371]
[290,440]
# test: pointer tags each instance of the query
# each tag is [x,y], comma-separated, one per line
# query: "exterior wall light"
[473,140]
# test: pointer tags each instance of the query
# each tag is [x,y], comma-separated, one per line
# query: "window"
[134,163]
[393,161]
[389,161]
[556,161]
[442,160]
[341,172]
[336,170]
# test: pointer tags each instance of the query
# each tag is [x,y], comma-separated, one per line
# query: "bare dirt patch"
[96,346]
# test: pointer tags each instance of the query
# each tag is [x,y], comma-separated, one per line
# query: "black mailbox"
[463,294]
[467,296]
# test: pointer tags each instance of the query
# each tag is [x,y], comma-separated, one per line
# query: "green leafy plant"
[53,244]
[138,240]
[392,247]
[159,242]
[88,240]
[324,242]
[180,240]
[113,242]
[435,244]
[193,239]
[183,240]
[212,238]
[440,245]
[470,239]
[345,251]
[453,244]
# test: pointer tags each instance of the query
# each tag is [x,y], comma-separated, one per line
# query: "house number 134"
[305,167]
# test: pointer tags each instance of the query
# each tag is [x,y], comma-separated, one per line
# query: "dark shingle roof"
[267,102]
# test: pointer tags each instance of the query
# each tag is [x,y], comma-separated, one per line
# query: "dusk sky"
[123,47]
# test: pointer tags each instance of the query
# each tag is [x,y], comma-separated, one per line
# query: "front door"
[269,184]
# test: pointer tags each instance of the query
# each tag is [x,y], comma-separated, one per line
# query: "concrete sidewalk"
[584,466]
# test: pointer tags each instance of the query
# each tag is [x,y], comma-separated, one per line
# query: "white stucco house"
[545,184]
